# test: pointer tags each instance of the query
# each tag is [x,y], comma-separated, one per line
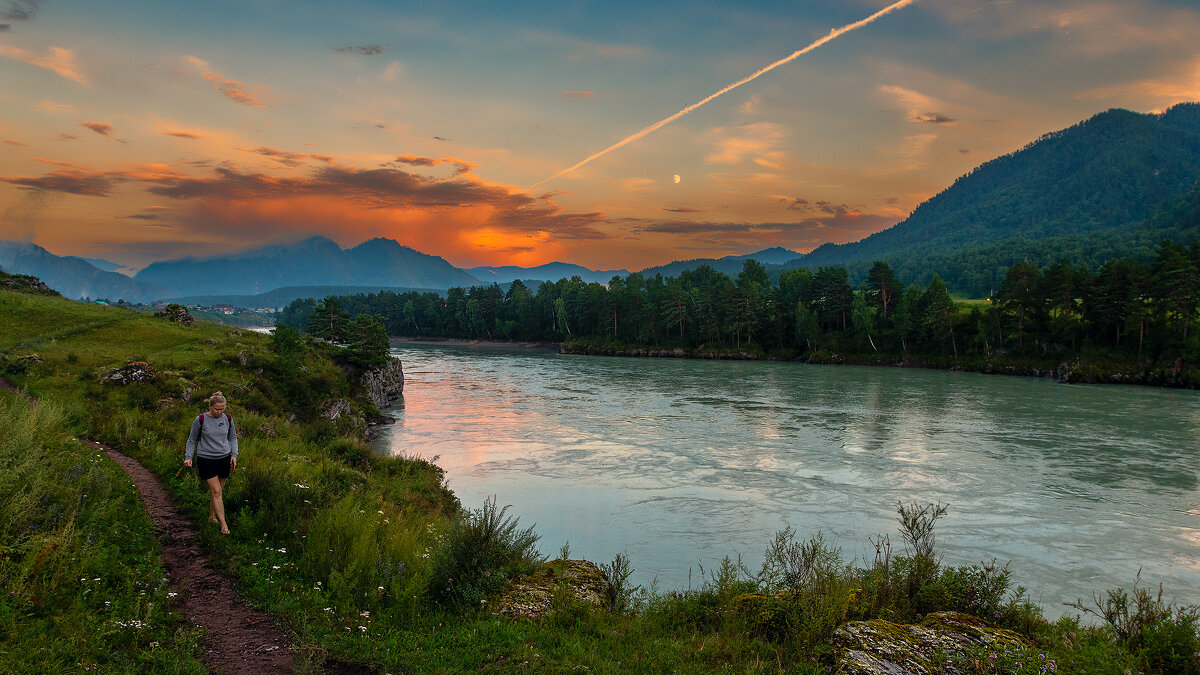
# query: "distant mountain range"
[74,277]
[1114,185]
[106,265]
[730,265]
[280,297]
[315,261]
[548,272]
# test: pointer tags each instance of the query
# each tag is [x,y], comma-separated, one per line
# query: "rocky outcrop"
[138,371]
[385,385]
[530,597]
[335,408]
[177,313]
[24,283]
[879,647]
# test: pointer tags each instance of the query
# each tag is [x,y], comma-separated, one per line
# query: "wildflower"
[363,628]
[172,594]
[274,567]
[381,588]
[328,609]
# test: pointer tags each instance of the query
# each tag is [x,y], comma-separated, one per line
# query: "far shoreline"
[1074,370]
[483,344]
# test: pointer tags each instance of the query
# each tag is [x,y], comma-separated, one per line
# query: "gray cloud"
[101,128]
[685,209]
[291,158]
[820,206]
[365,50]
[71,182]
[19,10]
[933,118]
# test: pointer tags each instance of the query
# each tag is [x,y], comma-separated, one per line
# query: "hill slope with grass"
[371,563]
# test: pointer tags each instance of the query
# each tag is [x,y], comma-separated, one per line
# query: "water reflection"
[678,463]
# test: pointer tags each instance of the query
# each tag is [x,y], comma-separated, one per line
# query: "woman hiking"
[213,442]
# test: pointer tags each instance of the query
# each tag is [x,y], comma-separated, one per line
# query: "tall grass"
[81,582]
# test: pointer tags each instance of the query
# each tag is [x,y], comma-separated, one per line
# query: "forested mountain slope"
[1110,186]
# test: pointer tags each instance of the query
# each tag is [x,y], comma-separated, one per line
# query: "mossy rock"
[137,371]
[879,647]
[177,313]
[530,597]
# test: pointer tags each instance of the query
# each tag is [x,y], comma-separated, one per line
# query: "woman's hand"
[233,462]
[187,463]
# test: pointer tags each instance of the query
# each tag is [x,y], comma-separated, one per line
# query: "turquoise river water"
[678,463]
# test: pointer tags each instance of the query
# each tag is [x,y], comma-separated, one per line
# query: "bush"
[1164,636]
[482,551]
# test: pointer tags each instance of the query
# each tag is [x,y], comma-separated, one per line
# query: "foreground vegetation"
[1125,321]
[370,560]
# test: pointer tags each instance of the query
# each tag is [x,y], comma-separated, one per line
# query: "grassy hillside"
[370,561]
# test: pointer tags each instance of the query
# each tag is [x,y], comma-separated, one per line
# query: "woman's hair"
[217,397]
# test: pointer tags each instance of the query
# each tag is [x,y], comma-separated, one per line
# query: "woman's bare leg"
[216,506]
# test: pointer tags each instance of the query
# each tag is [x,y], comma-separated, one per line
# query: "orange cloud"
[579,94]
[462,216]
[920,108]
[182,134]
[52,107]
[413,160]
[759,142]
[59,60]
[236,91]
[10,141]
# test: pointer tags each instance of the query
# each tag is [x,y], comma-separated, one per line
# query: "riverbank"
[1072,369]
[481,344]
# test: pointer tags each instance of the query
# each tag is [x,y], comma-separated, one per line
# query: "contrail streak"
[662,123]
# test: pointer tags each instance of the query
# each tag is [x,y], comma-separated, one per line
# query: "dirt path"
[240,640]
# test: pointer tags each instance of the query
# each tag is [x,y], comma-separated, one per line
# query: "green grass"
[352,552]
[81,581]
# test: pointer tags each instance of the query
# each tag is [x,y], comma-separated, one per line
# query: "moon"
[676,178]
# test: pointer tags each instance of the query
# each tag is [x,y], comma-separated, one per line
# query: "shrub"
[482,551]
[617,574]
[1163,635]
[808,590]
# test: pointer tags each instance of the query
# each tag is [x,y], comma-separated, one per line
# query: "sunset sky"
[141,131]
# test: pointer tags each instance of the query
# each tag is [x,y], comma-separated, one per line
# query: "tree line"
[1127,306]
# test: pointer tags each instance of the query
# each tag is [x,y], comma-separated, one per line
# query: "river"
[678,463]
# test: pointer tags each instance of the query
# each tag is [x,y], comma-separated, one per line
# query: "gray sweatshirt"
[217,439]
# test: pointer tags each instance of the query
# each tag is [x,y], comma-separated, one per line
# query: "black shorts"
[209,468]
